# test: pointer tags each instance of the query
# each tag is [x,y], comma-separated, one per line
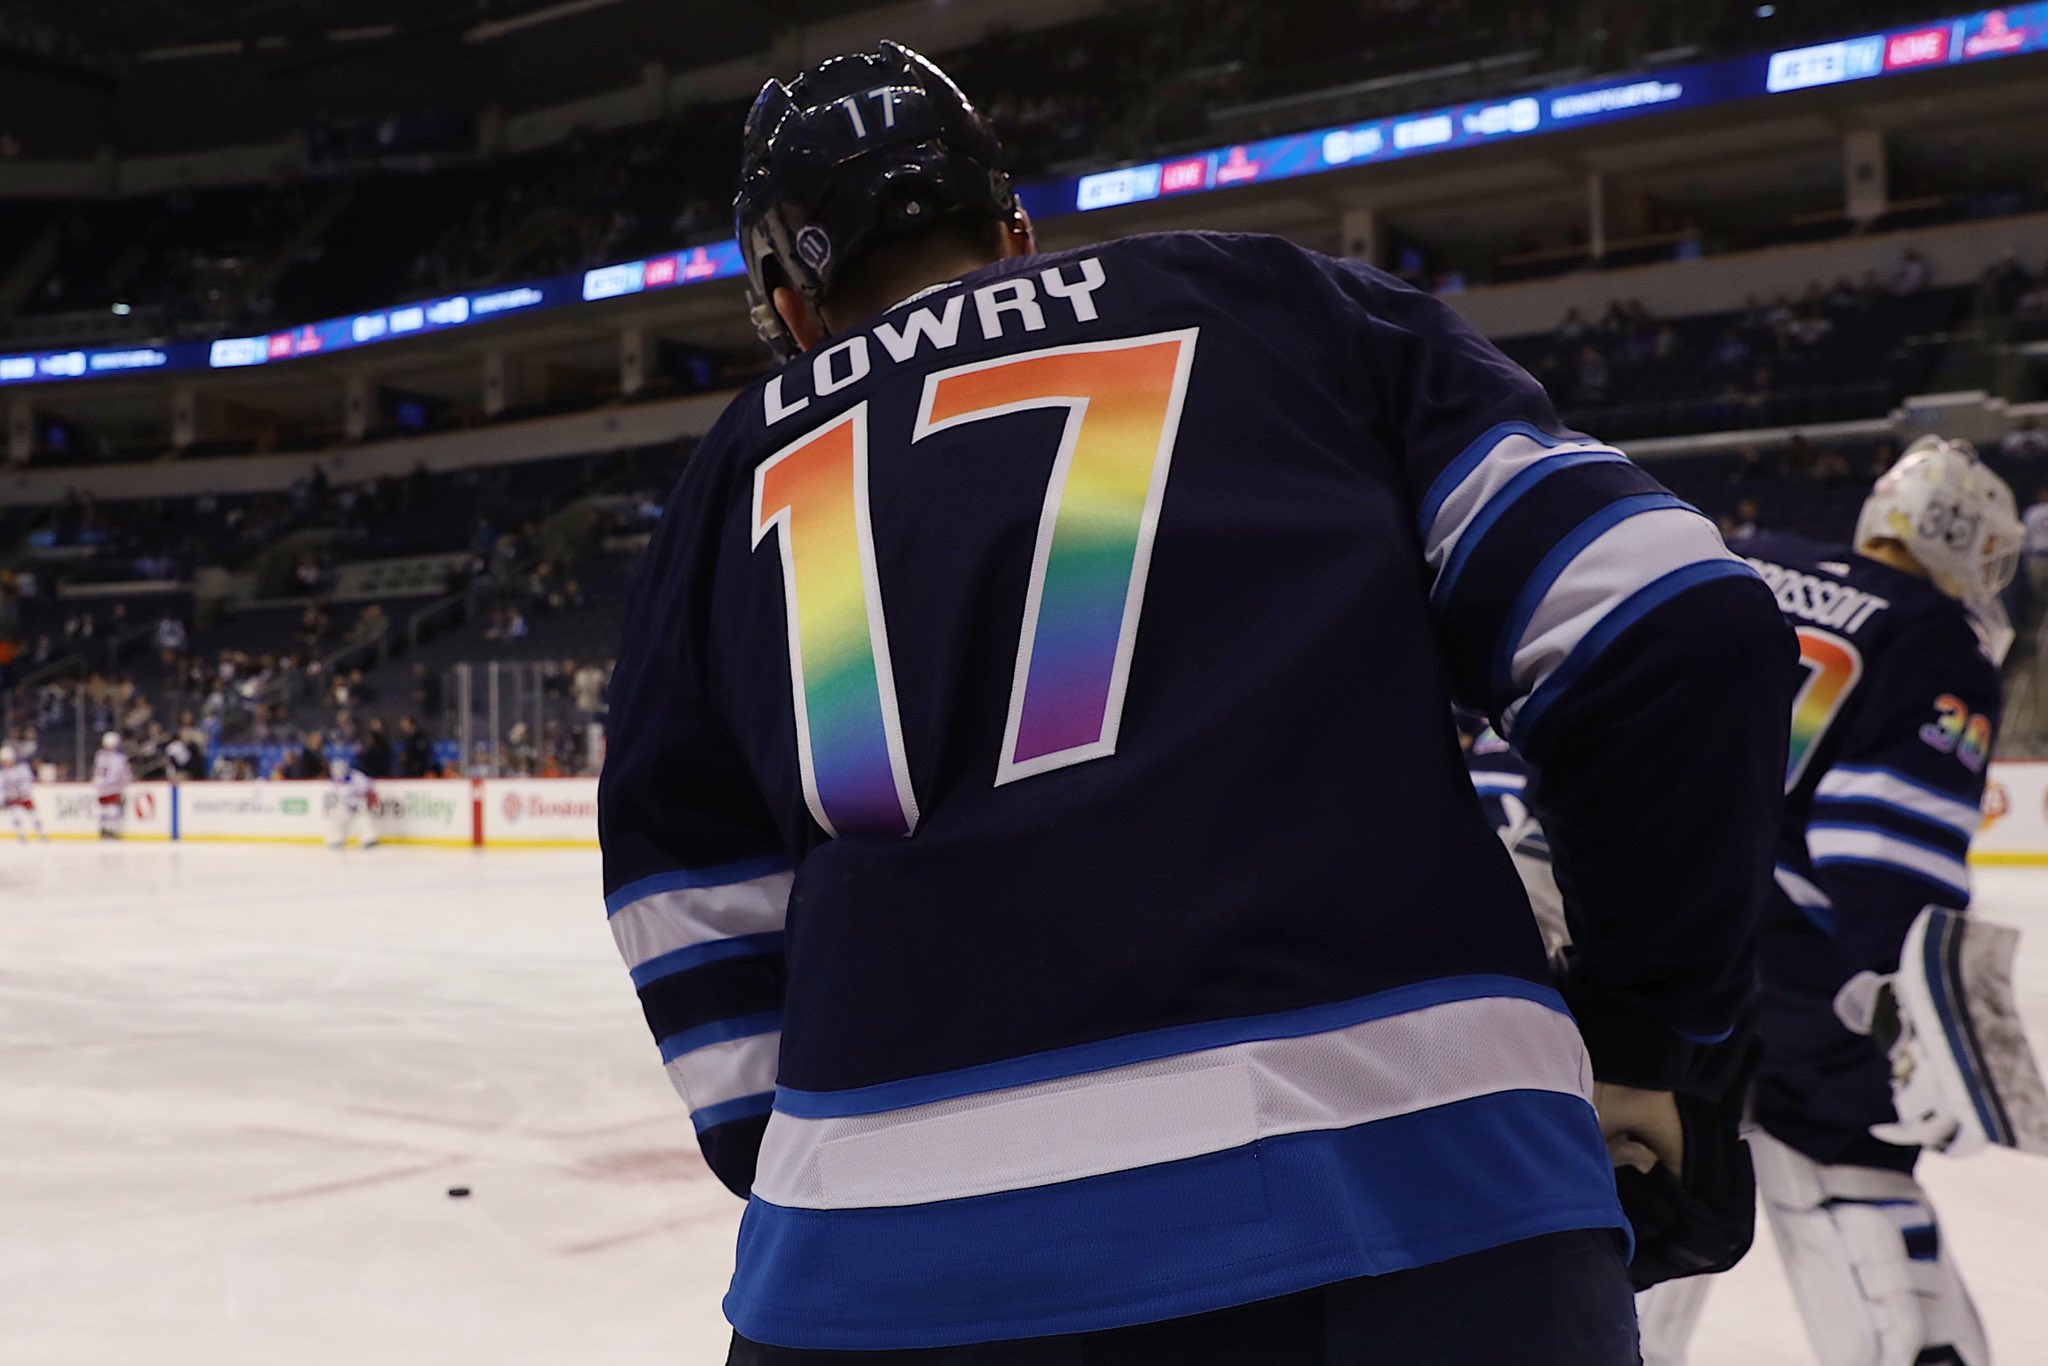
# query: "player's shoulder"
[1269,260]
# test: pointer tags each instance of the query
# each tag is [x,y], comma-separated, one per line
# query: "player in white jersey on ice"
[17,793]
[353,799]
[110,778]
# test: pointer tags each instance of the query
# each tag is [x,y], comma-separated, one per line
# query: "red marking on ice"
[649,1231]
[354,1182]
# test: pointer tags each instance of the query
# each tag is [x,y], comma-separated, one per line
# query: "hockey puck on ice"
[458,1192]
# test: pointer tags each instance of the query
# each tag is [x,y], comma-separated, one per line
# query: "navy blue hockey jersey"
[1035,827]
[1891,730]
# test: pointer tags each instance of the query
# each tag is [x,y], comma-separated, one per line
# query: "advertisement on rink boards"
[406,811]
[540,813]
[71,811]
[561,813]
[2015,828]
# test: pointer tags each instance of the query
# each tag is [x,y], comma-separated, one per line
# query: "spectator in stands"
[312,759]
[1911,275]
[2024,440]
[1572,327]
[375,756]
[1589,382]
[426,690]
[2002,284]
[1881,459]
[1750,466]
[2035,519]
[588,688]
[1733,352]
[415,751]
[1745,523]
[170,637]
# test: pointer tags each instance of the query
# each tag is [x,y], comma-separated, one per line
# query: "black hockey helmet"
[857,150]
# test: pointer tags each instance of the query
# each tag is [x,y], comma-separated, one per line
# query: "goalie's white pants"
[1863,1253]
[344,821]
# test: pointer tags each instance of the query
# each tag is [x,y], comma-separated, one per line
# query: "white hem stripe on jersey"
[726,1071]
[1895,790]
[1630,554]
[1489,465]
[1869,845]
[1483,781]
[684,917]
[1172,1108]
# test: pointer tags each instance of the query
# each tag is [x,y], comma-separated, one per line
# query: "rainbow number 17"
[1087,586]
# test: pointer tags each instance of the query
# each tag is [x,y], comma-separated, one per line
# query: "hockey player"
[353,798]
[110,778]
[17,793]
[1035,827]
[1899,635]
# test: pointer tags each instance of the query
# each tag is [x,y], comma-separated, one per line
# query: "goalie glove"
[1963,1075]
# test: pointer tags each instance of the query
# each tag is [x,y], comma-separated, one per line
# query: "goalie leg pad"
[1667,1315]
[1961,1066]
[1863,1253]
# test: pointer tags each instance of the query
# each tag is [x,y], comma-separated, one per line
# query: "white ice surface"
[236,1083]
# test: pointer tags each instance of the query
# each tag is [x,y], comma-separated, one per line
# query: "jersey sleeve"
[696,878]
[1599,620]
[1893,816]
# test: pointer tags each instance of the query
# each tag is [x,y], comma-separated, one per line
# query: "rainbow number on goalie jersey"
[1832,666]
[1086,591]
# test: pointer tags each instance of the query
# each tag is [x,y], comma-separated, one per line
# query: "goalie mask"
[1957,519]
[860,149]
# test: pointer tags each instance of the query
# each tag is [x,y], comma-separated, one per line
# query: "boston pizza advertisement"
[540,813]
[2015,828]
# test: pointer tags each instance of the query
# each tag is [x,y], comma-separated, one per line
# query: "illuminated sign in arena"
[1978,37]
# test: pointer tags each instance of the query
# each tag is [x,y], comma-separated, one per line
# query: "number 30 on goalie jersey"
[1123,404]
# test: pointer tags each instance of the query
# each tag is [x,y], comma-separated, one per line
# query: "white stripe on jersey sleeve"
[1510,455]
[1627,556]
[1831,844]
[1896,790]
[727,1070]
[687,916]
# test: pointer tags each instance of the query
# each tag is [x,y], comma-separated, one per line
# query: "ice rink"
[237,1083]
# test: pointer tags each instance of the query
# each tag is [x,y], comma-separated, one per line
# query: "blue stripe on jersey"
[1158,1043]
[720,876]
[1460,469]
[1559,558]
[1875,813]
[711,951]
[725,990]
[1176,1238]
[726,1111]
[718,1031]
[1504,498]
[1627,613]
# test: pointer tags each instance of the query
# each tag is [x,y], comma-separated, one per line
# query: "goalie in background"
[17,793]
[110,778]
[1900,639]
[353,798]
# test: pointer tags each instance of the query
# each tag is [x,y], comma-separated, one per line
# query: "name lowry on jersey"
[1835,606]
[1011,303]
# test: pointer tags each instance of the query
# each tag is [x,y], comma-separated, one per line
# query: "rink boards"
[561,813]
[453,813]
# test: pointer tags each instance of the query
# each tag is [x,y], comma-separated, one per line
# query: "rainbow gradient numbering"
[1086,590]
